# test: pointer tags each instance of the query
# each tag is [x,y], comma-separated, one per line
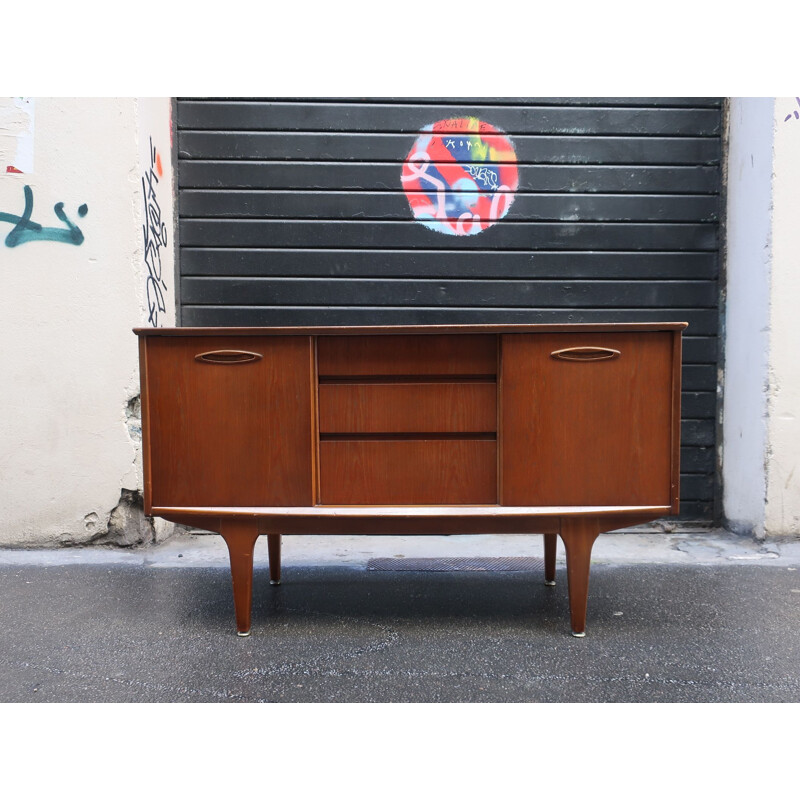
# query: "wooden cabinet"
[563,430]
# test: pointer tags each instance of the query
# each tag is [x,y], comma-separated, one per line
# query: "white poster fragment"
[16,135]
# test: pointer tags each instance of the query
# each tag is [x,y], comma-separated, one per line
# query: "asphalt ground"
[695,618]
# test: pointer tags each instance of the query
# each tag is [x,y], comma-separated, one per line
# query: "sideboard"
[561,430]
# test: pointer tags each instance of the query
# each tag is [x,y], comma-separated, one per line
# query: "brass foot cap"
[242,633]
[578,635]
[549,583]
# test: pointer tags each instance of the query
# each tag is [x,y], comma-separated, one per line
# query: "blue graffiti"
[795,114]
[25,230]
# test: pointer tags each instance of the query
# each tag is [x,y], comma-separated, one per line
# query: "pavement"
[690,617]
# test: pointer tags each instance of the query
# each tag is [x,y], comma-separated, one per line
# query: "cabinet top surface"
[376,330]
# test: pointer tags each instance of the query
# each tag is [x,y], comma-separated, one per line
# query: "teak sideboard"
[562,430]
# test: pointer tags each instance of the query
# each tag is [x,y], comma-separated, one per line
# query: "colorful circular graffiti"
[460,176]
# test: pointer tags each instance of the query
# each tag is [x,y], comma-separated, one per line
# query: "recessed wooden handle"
[227,357]
[585,354]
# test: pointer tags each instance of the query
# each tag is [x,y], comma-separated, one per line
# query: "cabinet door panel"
[586,431]
[227,432]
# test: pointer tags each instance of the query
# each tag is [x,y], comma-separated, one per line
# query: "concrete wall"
[73,282]
[761,430]
[746,321]
[782,515]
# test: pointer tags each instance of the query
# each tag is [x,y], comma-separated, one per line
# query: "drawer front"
[408,407]
[586,418]
[228,420]
[408,472]
[462,354]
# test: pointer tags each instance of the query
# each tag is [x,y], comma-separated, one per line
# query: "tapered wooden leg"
[241,535]
[550,542]
[578,535]
[274,546]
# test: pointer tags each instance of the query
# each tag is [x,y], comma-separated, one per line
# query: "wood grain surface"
[465,354]
[235,433]
[587,432]
[408,472]
[407,407]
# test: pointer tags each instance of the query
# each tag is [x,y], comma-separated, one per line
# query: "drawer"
[435,354]
[408,407]
[408,472]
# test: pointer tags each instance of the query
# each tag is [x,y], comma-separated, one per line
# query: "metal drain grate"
[515,564]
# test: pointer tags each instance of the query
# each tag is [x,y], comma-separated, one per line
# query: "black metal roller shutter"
[292,212]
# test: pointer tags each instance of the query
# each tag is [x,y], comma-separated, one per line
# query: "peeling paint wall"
[73,282]
[783,453]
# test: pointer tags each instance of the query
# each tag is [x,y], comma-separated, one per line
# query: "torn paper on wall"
[16,135]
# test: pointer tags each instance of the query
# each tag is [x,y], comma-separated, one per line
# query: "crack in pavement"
[291,667]
[162,687]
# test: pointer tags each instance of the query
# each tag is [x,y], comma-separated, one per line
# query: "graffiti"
[448,124]
[487,177]
[155,238]
[25,230]
[460,176]
[795,114]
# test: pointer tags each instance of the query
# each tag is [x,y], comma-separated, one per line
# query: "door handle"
[227,357]
[585,354]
